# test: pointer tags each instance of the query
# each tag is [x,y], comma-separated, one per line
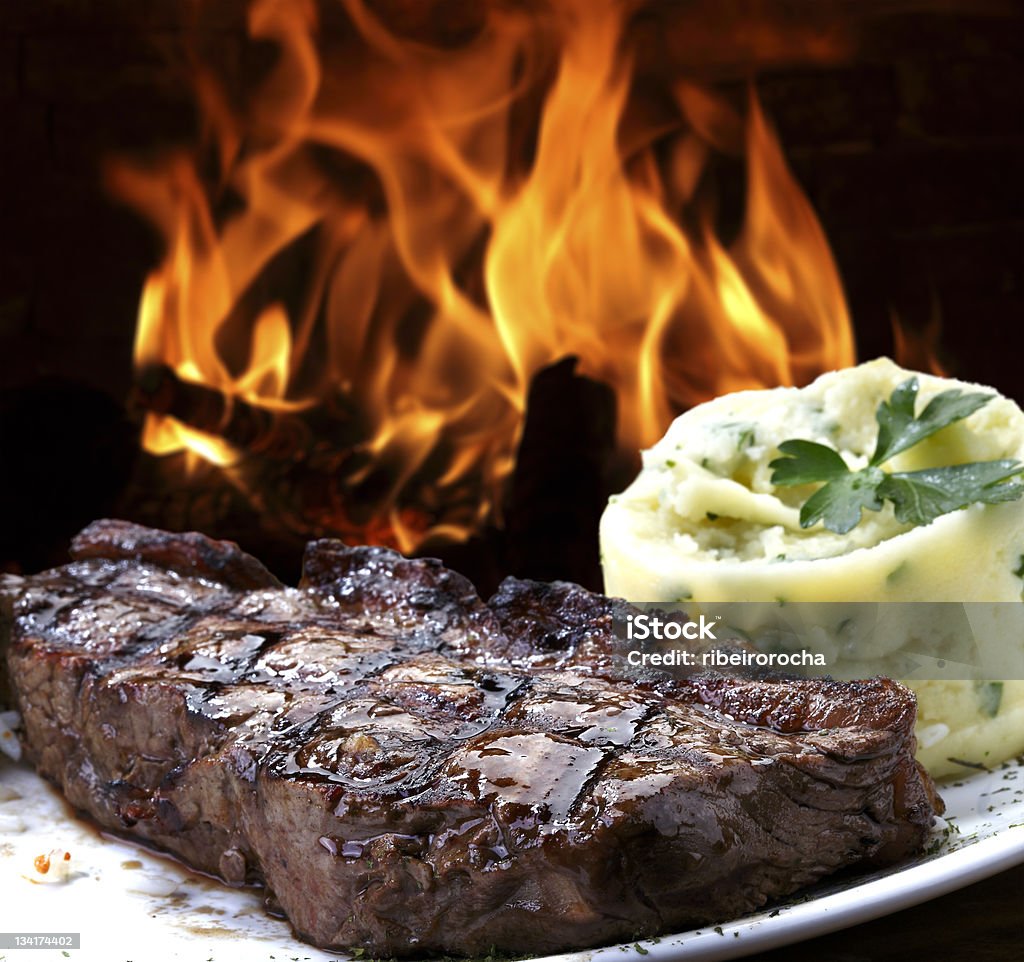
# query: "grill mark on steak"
[410,770]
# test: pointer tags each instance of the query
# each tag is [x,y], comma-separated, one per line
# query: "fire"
[916,347]
[407,235]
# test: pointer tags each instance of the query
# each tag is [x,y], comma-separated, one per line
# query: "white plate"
[132,905]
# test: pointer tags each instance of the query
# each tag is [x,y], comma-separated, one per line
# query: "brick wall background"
[911,150]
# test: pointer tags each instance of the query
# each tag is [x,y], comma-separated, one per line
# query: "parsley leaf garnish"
[918,497]
[838,504]
[899,429]
[808,461]
[921,496]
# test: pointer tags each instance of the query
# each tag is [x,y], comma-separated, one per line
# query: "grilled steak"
[409,769]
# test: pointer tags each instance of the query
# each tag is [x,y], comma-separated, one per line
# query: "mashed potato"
[703,521]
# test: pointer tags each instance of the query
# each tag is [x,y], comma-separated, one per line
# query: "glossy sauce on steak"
[410,770]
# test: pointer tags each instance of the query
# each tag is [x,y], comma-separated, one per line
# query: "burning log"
[247,427]
[565,470]
[563,477]
[305,472]
[300,464]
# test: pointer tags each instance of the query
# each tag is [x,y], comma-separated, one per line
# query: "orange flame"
[916,347]
[476,255]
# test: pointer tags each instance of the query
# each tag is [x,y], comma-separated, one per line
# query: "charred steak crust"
[410,770]
[189,553]
[10,587]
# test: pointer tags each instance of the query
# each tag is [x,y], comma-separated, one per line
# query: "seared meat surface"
[411,770]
